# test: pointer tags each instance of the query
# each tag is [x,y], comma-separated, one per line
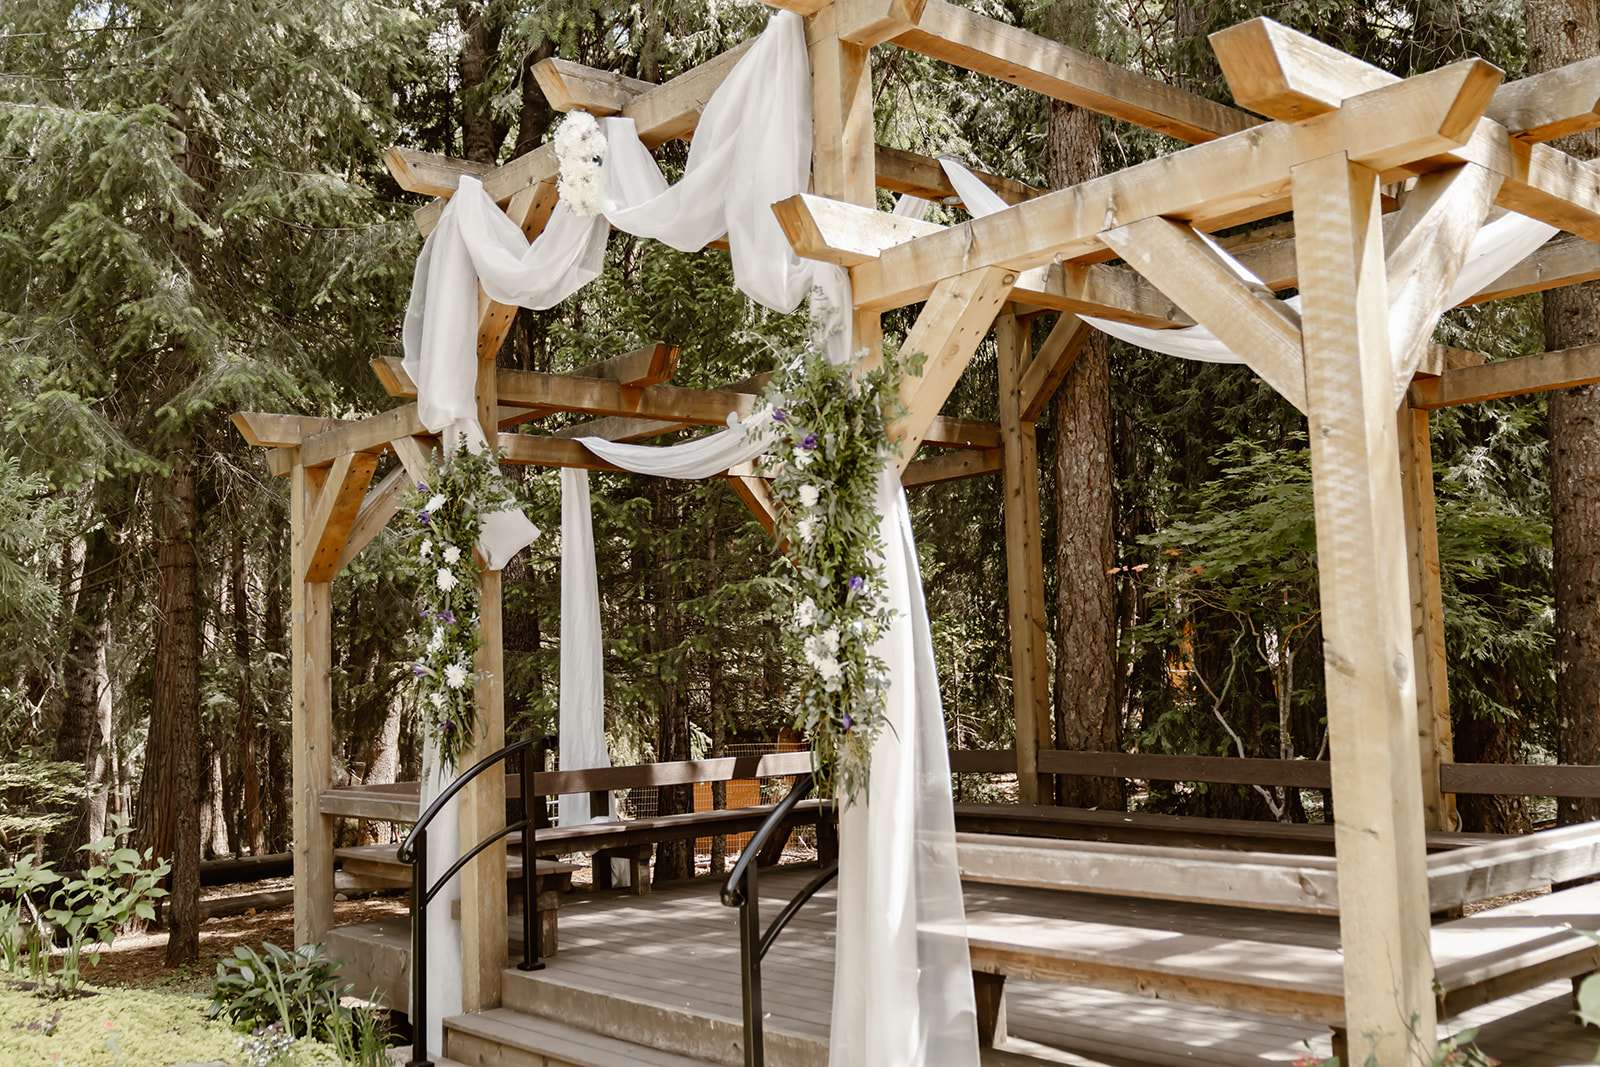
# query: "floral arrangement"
[830,443]
[461,487]
[580,152]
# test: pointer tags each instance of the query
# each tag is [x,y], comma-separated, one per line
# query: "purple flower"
[855,583]
[423,519]
[809,442]
[418,670]
[447,617]
[779,415]
[847,722]
[422,487]
[448,726]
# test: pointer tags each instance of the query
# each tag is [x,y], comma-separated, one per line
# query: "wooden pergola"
[1384,182]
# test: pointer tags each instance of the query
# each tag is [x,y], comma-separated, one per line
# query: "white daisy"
[452,554]
[809,495]
[435,502]
[445,580]
[455,676]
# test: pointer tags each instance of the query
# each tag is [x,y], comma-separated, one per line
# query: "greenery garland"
[462,487]
[830,443]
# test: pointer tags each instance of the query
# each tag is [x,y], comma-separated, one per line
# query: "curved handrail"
[444,879]
[407,852]
[732,891]
[826,875]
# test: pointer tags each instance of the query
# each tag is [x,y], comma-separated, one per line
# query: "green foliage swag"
[830,445]
[448,508]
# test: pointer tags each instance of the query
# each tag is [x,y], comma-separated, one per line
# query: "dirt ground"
[139,959]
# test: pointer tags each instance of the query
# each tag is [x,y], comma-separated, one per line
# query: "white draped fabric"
[582,722]
[444,933]
[1498,246]
[904,998]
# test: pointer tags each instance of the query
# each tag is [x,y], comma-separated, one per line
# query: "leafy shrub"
[299,989]
[86,909]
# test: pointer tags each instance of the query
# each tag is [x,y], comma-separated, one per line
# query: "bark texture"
[1086,705]
[169,794]
[254,832]
[1561,32]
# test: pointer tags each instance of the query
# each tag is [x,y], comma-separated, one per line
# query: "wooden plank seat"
[630,841]
[1482,957]
[1273,881]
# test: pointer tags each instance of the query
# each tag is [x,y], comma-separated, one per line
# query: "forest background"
[195,220]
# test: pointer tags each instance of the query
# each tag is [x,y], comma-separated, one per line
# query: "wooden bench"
[1247,835]
[379,866]
[1477,959]
[1270,880]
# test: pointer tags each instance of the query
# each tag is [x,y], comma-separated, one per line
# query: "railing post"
[750,957]
[532,934]
[419,951]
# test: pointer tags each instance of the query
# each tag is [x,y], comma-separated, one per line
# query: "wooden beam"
[264,430]
[900,171]
[757,496]
[870,22]
[1427,615]
[947,332]
[311,719]
[1285,74]
[1241,176]
[851,235]
[968,39]
[1426,249]
[377,509]
[1509,377]
[412,458]
[568,85]
[429,173]
[1543,107]
[337,507]
[1367,646]
[950,467]
[1540,182]
[1248,319]
[370,434]
[1049,367]
[1029,622]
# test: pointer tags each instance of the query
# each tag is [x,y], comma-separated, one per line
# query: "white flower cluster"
[580,153]
[822,652]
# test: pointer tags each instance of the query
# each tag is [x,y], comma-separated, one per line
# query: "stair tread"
[578,1046]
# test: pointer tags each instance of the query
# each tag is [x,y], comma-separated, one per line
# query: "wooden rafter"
[338,504]
[1235,177]
[1049,366]
[1509,377]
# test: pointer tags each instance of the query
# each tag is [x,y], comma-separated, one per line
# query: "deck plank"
[679,947]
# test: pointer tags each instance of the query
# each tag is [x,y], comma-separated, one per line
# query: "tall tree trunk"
[80,735]
[481,135]
[169,794]
[674,859]
[1561,32]
[249,769]
[215,838]
[1086,706]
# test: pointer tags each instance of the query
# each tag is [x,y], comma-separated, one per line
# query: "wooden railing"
[1491,779]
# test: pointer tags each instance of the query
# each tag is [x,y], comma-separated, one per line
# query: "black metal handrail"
[414,850]
[741,891]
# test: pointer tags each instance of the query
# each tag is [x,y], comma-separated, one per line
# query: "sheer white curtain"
[1498,246]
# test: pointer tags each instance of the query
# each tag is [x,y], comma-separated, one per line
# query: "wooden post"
[1427,615]
[311,729]
[1030,681]
[1367,648]
[483,803]
[843,151]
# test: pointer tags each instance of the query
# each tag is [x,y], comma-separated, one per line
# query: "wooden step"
[559,994]
[505,1038]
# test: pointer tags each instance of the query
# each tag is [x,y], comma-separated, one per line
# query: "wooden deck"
[669,962]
